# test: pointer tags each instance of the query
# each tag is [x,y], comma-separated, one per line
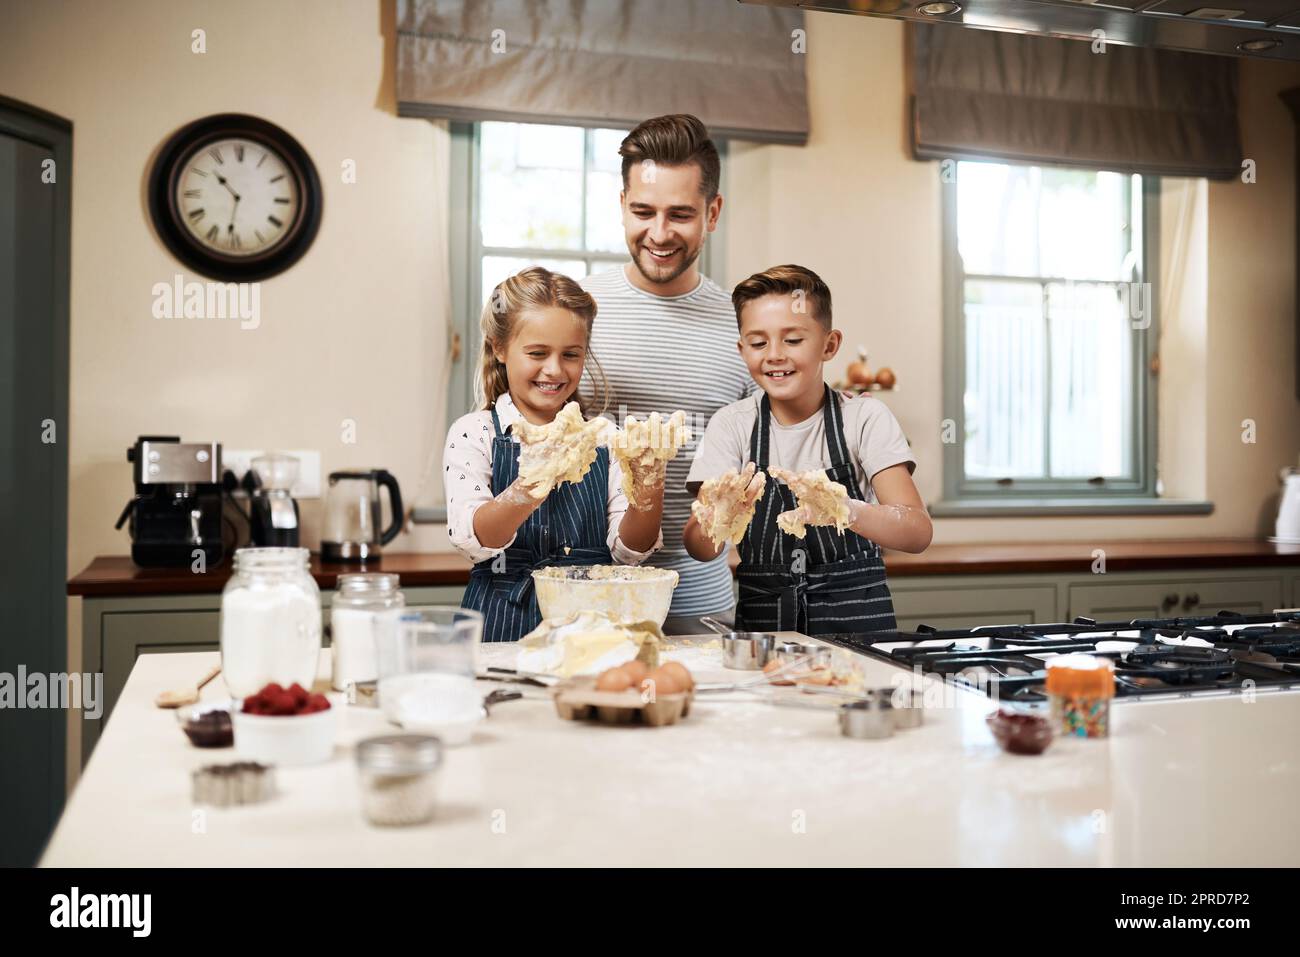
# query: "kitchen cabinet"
[1167,597]
[966,601]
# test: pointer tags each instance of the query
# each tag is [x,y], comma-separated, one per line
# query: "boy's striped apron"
[826,583]
[572,516]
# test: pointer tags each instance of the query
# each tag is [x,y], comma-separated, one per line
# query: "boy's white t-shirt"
[872,434]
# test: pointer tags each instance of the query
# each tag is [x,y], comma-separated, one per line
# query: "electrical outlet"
[240,461]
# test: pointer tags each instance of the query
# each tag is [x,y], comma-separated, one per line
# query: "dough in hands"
[725,505]
[643,449]
[560,451]
[821,502]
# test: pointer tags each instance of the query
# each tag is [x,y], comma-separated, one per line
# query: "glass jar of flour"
[364,608]
[270,621]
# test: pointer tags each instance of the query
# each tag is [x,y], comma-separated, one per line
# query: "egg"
[680,672]
[636,672]
[615,679]
[665,681]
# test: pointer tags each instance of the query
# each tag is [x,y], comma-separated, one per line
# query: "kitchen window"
[527,194]
[1049,334]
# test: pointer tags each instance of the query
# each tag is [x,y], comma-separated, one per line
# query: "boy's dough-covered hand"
[821,502]
[644,449]
[560,451]
[725,505]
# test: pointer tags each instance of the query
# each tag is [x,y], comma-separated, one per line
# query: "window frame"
[467,251]
[958,489]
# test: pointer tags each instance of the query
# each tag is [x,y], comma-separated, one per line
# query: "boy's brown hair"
[674,140]
[811,295]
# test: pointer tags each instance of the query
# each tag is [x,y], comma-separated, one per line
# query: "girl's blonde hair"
[532,288]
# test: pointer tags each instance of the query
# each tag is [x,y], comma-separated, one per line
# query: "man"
[665,335]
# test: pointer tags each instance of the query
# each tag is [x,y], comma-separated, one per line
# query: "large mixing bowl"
[623,592]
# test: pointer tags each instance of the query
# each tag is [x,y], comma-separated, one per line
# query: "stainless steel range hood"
[1268,29]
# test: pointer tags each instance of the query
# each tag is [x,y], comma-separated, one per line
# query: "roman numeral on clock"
[212,234]
[216,155]
[191,193]
[275,222]
[196,214]
[239,153]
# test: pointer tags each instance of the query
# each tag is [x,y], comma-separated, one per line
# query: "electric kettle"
[351,531]
[1288,512]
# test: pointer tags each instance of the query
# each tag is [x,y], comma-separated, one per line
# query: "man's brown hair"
[674,140]
[810,294]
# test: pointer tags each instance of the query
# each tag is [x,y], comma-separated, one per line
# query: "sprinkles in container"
[1080,688]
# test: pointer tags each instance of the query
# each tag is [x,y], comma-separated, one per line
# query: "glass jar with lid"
[365,607]
[270,621]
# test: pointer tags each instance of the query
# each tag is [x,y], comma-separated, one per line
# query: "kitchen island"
[1180,782]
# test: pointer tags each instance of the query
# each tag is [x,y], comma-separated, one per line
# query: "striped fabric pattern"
[661,354]
[841,586]
[572,517]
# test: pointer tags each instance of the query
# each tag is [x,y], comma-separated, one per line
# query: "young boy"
[829,581]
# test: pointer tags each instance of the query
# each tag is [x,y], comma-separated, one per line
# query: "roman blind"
[609,63]
[981,94]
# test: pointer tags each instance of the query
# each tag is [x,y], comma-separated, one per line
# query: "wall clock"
[235,198]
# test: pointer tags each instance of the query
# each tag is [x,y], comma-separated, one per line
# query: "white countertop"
[1199,782]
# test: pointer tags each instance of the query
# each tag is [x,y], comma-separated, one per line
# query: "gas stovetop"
[1228,653]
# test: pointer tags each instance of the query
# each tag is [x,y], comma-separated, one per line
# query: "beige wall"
[853,205]
[356,330]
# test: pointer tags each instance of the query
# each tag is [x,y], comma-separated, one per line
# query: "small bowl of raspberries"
[285,726]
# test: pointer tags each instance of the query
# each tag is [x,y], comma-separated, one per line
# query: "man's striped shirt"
[661,354]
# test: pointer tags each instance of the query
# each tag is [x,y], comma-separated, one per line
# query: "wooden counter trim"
[116,575]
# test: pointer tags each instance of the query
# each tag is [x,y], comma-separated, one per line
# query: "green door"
[35,191]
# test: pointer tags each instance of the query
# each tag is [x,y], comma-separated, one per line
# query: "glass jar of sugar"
[270,621]
[365,608]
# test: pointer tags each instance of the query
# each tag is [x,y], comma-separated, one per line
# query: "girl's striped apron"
[572,516]
[823,584]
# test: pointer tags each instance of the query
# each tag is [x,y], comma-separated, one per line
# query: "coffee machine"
[177,507]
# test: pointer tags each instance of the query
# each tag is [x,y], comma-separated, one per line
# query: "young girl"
[536,340]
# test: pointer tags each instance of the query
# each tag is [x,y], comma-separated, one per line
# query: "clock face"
[237,196]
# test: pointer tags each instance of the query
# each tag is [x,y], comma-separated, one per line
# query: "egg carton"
[578,700]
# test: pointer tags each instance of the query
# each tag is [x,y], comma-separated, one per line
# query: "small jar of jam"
[1080,688]
[1019,732]
[207,725]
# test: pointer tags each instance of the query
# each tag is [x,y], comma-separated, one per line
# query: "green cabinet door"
[1124,601]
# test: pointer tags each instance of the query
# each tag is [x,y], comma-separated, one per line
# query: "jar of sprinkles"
[1080,688]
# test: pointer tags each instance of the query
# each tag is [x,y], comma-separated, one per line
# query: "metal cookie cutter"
[907,704]
[868,718]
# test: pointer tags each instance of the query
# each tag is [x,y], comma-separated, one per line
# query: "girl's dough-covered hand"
[643,450]
[821,502]
[725,505]
[560,451]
